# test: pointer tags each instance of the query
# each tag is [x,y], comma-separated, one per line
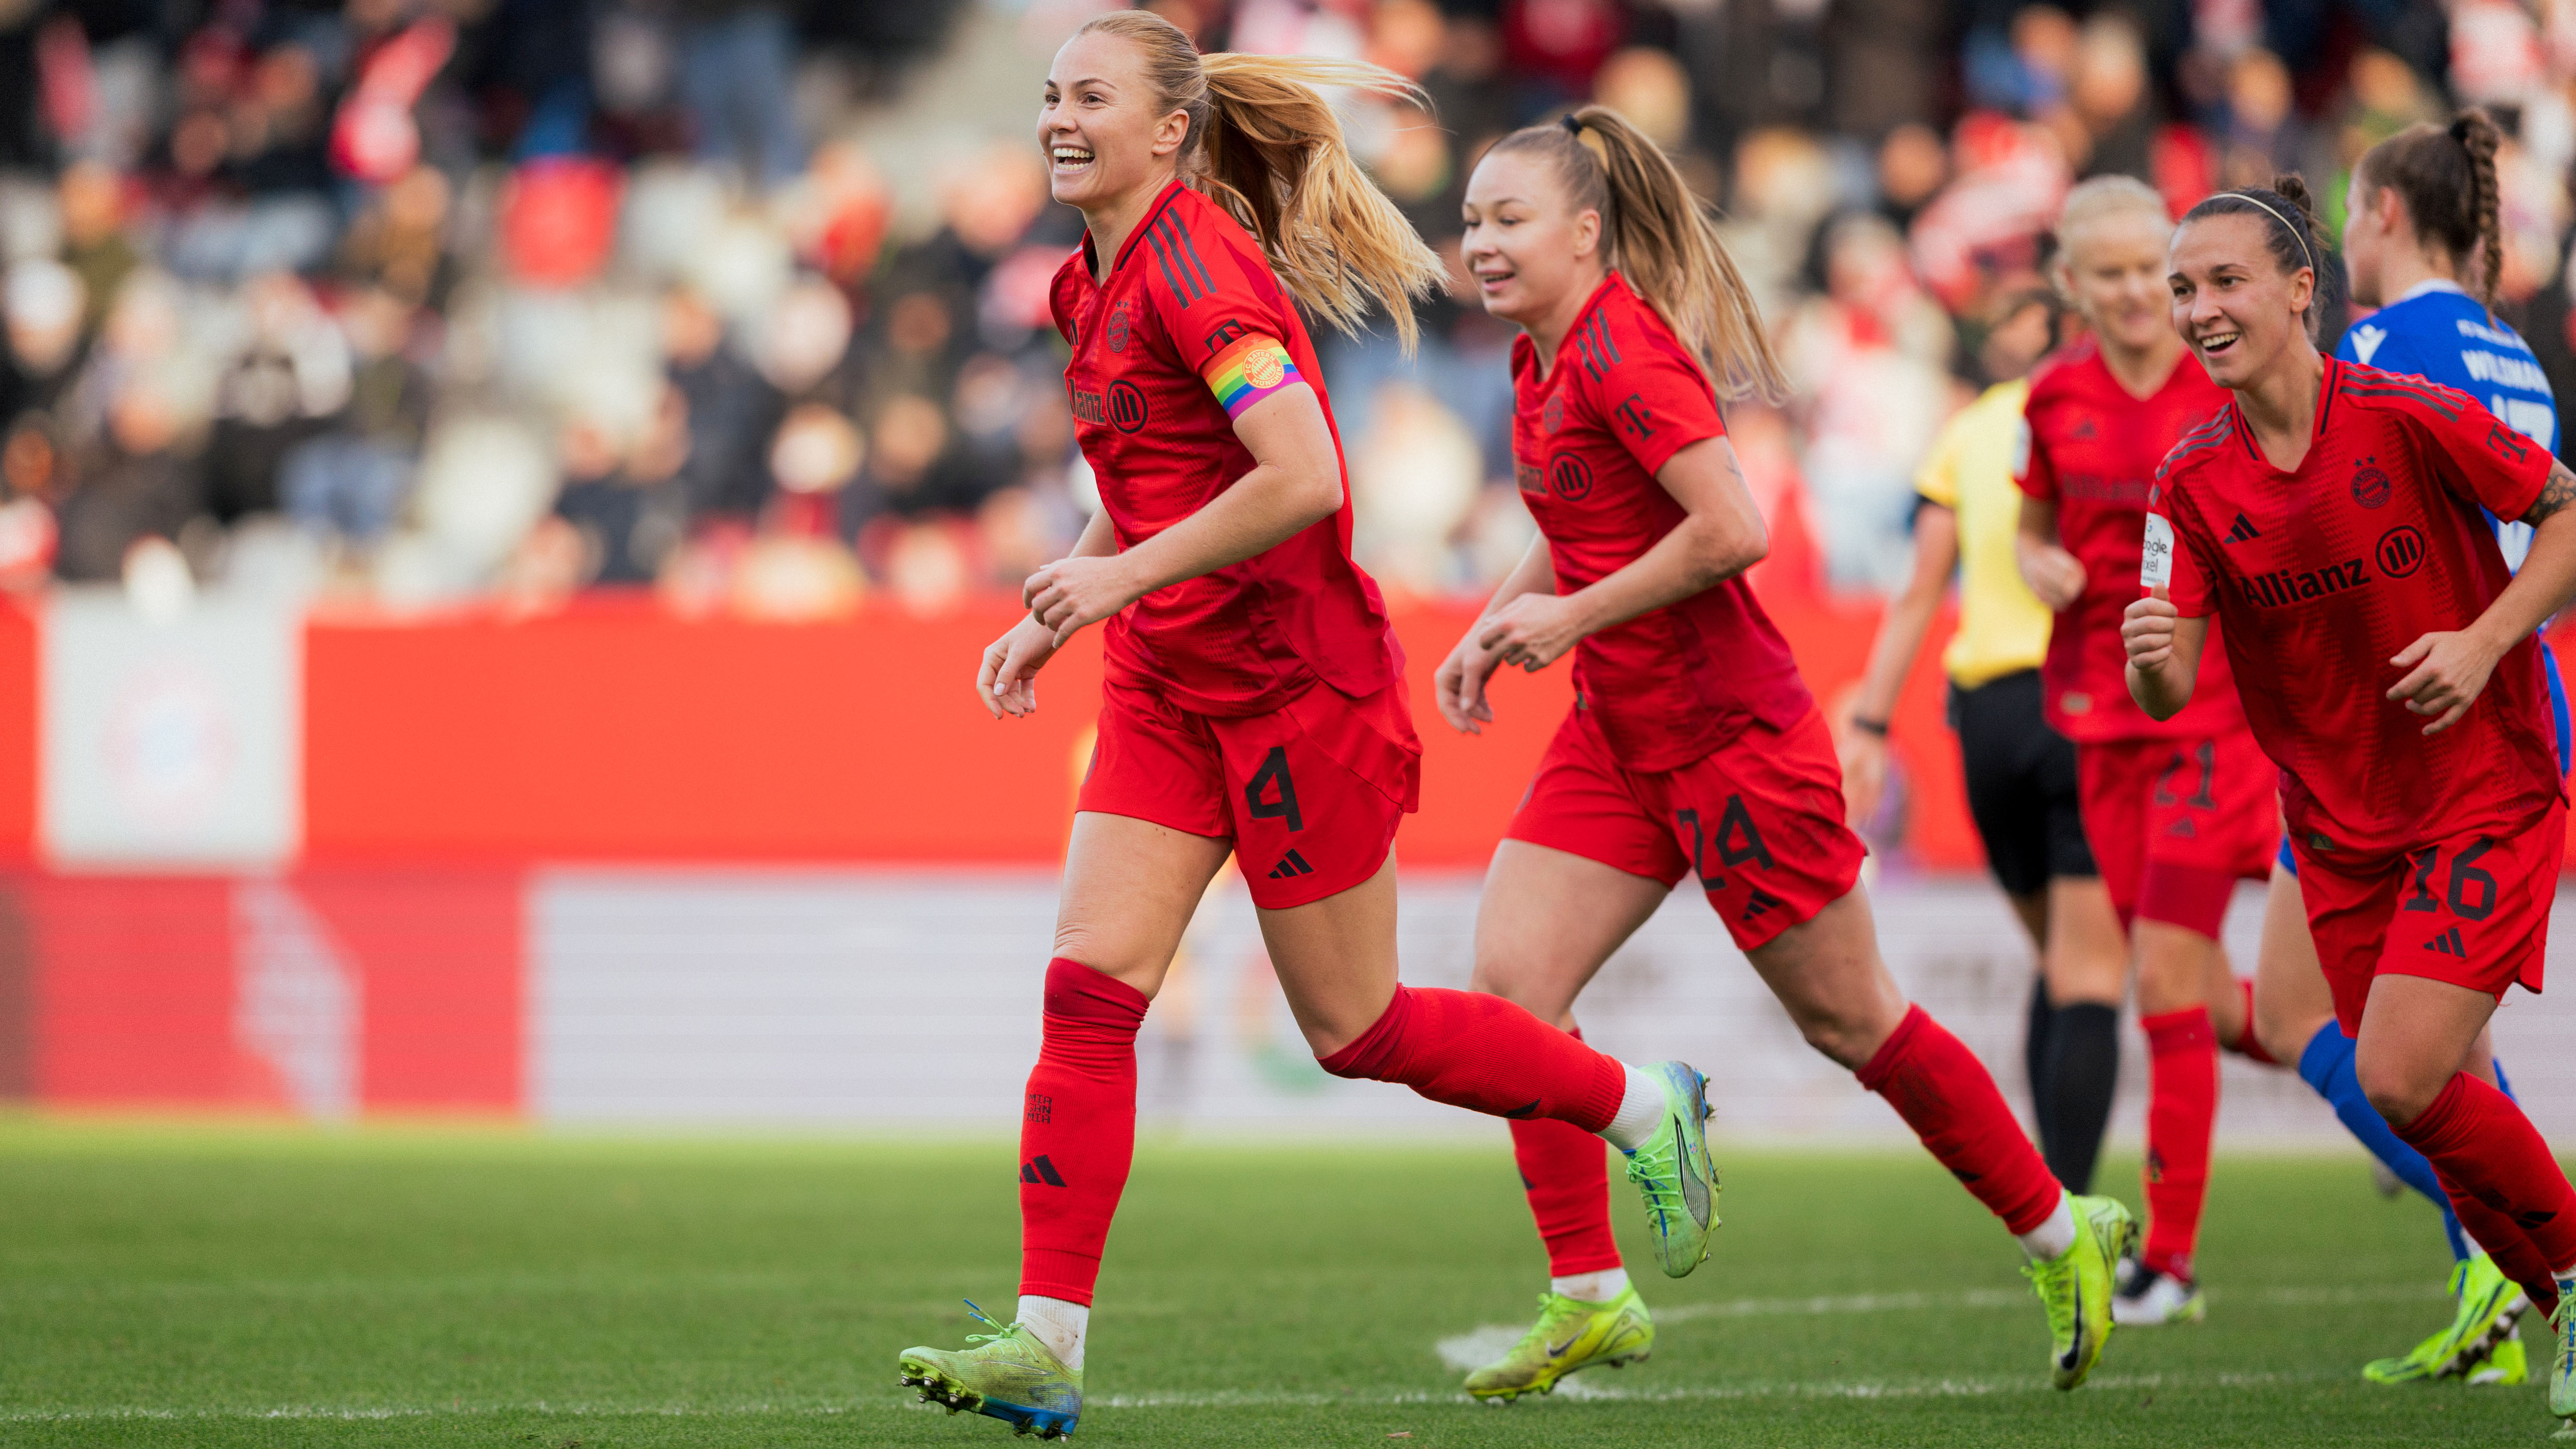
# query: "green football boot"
[2562,1361]
[2075,1287]
[2505,1364]
[2489,1307]
[1570,1334]
[1672,1169]
[1007,1374]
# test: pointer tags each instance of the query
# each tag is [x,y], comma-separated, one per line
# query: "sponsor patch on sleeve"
[2155,566]
[1251,368]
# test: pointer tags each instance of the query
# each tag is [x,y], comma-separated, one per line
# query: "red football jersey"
[2322,575]
[2092,449]
[1189,284]
[1621,398]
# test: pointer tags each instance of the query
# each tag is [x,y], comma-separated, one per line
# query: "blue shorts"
[2557,727]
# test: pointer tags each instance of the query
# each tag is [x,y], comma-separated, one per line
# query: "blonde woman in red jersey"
[2177,811]
[2387,659]
[1693,748]
[1254,699]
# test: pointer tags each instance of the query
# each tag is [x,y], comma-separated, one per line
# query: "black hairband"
[1573,124]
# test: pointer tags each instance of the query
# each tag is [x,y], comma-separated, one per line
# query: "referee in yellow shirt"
[2020,773]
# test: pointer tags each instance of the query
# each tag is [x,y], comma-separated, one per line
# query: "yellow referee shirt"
[2003,627]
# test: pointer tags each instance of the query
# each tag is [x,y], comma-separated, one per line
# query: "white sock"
[1641,1111]
[2050,1240]
[1598,1287]
[1058,1324]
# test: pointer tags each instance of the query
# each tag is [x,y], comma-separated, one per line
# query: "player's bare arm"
[2164,653]
[1723,536]
[2053,573]
[1900,639]
[2446,671]
[1460,681]
[1295,483]
[1007,680]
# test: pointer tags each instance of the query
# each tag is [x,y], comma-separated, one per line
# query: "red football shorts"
[1310,794]
[1759,819]
[2174,824]
[2472,910]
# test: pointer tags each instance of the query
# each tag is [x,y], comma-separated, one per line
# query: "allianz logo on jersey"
[2399,553]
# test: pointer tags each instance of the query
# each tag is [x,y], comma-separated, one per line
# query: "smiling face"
[1525,244]
[1100,127]
[2233,306]
[2114,270]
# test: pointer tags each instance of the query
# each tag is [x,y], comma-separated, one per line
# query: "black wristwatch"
[1876,727]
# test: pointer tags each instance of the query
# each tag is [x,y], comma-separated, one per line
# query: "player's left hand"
[1072,592]
[1532,631]
[2447,673]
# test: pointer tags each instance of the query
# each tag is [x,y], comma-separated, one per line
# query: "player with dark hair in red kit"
[2331,515]
[1693,749]
[1254,700]
[2177,811]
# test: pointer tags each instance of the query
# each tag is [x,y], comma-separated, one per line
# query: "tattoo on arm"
[2555,495]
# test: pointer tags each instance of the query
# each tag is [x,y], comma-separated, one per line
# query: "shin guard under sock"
[2182,1108]
[1950,1100]
[2489,1154]
[1077,1129]
[2034,1065]
[2083,1070]
[1566,1172]
[2326,1066]
[1480,1052]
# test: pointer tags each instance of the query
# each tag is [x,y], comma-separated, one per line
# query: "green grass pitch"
[237,1287]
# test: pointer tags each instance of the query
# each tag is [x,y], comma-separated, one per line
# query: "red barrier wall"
[138,996]
[613,731]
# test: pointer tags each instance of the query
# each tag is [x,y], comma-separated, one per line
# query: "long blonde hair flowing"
[1265,144]
[1658,236]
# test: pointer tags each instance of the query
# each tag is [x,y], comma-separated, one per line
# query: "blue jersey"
[2439,332]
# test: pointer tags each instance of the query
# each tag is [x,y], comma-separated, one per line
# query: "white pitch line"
[1485,1345]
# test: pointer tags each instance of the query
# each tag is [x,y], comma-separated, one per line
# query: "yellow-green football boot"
[2489,1307]
[1570,1334]
[2562,1359]
[2076,1285]
[2506,1364]
[1673,1170]
[1007,1374]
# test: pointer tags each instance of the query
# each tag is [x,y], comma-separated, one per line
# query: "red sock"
[2487,1152]
[2182,1107]
[1078,1129]
[1480,1052]
[2515,1254]
[2247,1044]
[1950,1100]
[1567,1173]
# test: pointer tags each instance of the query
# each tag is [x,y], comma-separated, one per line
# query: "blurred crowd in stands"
[410,302]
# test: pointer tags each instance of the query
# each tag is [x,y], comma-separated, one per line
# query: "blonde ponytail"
[1664,242]
[1264,144]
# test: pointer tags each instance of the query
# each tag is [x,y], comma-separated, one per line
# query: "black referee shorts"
[2021,784]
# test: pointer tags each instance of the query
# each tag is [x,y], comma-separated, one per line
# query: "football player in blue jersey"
[2422,244]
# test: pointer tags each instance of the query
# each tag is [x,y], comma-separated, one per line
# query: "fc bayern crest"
[1117,337]
[1552,417]
[2369,485]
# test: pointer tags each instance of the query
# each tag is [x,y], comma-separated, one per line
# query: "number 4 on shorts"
[1274,770]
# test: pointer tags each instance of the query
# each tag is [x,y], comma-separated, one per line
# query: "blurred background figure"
[673,238]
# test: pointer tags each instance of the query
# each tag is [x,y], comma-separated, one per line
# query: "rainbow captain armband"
[1252,369]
